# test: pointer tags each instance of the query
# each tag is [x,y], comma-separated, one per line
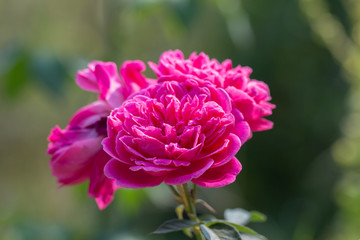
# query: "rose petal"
[100,187]
[132,76]
[130,179]
[74,163]
[261,124]
[219,176]
[185,174]
[110,86]
[242,128]
[106,194]
[90,114]
[86,79]
[190,154]
[97,177]
[228,152]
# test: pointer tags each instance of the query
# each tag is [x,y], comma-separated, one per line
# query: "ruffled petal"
[131,179]
[90,114]
[86,79]
[73,164]
[242,128]
[106,194]
[261,124]
[185,174]
[110,86]
[219,176]
[228,152]
[131,73]
[100,187]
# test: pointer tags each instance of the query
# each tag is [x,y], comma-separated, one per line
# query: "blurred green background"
[304,174]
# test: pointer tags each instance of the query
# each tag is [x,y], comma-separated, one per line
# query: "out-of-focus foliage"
[19,68]
[303,174]
[340,33]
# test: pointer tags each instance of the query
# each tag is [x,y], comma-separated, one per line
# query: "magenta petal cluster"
[250,97]
[173,132]
[103,77]
[185,126]
[77,153]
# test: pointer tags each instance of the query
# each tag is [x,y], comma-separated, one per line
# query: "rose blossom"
[174,132]
[77,153]
[250,97]
[103,77]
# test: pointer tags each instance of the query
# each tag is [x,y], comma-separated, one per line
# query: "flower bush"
[185,126]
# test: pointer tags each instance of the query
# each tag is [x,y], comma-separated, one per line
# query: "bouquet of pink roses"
[184,126]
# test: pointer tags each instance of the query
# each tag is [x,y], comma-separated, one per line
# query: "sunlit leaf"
[244,229]
[240,228]
[208,233]
[250,237]
[238,216]
[220,231]
[257,217]
[242,217]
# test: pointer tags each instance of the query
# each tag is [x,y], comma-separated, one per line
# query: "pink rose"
[77,153]
[250,97]
[174,132]
[103,77]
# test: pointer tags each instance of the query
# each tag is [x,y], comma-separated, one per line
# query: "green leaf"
[180,214]
[220,231]
[208,233]
[208,218]
[257,217]
[238,216]
[244,229]
[174,225]
[251,237]
[242,217]
[240,228]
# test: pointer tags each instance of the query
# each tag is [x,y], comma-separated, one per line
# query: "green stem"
[172,188]
[193,192]
[183,197]
[189,203]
